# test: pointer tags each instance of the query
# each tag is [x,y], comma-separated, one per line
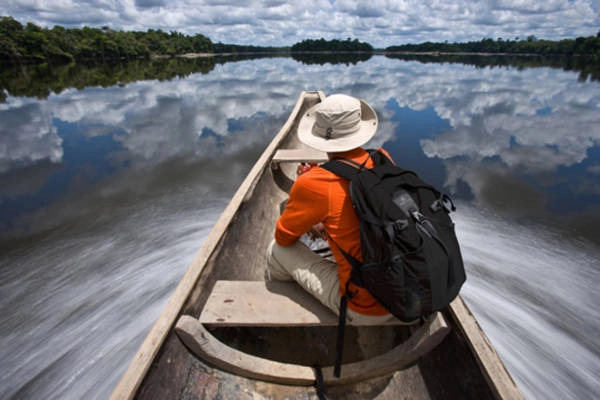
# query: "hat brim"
[368,127]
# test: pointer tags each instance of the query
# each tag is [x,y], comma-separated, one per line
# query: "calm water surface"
[106,195]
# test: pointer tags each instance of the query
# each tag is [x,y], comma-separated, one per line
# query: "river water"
[107,193]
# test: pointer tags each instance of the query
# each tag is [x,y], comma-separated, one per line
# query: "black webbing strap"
[342,167]
[319,384]
[339,347]
[347,168]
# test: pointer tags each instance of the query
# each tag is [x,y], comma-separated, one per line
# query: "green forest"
[531,45]
[30,43]
[334,45]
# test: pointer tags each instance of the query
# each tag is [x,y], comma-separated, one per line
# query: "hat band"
[334,130]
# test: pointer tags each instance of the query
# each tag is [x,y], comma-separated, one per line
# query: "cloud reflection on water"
[168,155]
[27,135]
[510,130]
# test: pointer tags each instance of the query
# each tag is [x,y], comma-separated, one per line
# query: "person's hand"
[305,167]
[317,232]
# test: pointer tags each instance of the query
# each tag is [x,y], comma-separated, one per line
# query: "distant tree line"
[236,48]
[531,45]
[30,43]
[334,45]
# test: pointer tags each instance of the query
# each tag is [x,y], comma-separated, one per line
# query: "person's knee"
[270,250]
[274,253]
[285,254]
[275,267]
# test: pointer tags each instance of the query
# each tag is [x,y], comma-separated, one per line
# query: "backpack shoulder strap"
[342,167]
[379,158]
[349,168]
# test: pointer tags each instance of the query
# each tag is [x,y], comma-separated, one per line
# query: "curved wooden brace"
[193,334]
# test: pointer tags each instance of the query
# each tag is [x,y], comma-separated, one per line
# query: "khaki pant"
[317,275]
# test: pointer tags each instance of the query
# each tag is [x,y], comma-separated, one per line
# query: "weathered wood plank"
[297,155]
[423,340]
[256,303]
[193,334]
[205,346]
[492,367]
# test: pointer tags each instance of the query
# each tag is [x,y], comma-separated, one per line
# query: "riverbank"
[196,55]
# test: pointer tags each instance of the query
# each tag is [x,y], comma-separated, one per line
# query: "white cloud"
[27,136]
[273,22]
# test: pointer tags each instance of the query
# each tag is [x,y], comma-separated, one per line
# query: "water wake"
[78,306]
[533,290]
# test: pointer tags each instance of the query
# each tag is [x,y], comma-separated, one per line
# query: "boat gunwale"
[490,364]
[143,359]
[498,379]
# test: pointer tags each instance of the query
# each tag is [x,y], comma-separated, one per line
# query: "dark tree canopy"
[334,45]
[34,44]
[532,45]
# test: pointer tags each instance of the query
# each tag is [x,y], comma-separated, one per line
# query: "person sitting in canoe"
[319,203]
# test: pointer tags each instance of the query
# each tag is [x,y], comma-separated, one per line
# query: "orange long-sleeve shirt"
[321,196]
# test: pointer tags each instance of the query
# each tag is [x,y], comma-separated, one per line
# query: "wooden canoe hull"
[464,365]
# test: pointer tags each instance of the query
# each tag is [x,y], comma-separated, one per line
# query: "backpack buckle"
[444,202]
[416,214]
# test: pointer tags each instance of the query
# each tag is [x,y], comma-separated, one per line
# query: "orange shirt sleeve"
[307,205]
[321,196]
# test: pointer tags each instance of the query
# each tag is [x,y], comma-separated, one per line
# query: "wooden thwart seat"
[253,303]
[297,155]
[256,303]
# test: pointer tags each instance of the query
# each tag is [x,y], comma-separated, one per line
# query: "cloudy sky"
[279,23]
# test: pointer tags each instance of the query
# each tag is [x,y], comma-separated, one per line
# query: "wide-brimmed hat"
[338,123]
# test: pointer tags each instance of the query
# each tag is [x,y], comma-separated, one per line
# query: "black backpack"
[411,258]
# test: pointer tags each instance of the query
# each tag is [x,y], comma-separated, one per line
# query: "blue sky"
[276,22]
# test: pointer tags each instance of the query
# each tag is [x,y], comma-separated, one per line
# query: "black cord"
[319,384]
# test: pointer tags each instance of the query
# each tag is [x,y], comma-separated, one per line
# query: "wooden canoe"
[266,343]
